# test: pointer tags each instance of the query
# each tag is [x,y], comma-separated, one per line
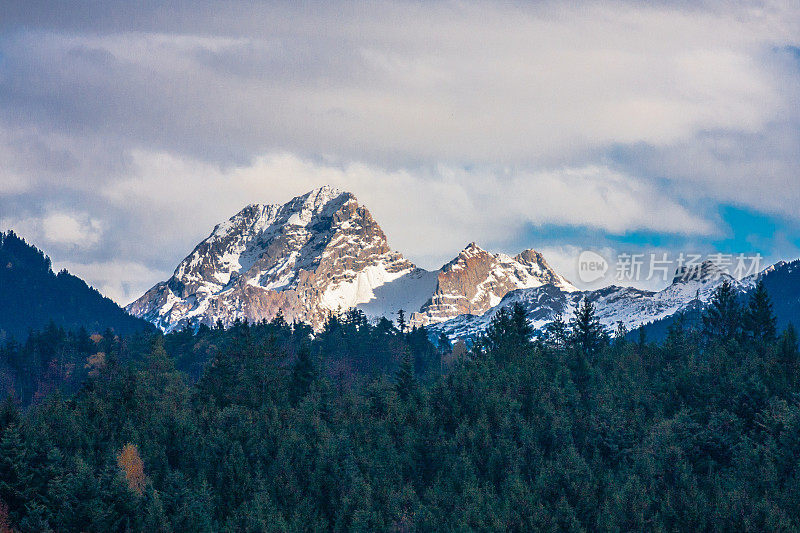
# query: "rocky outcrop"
[691,288]
[476,280]
[320,252]
[323,252]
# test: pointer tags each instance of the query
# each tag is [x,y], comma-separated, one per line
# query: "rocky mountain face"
[476,280]
[324,252]
[633,307]
[319,252]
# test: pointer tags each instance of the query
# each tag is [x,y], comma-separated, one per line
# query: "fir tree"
[303,372]
[789,354]
[557,332]
[620,332]
[405,381]
[443,343]
[508,334]
[759,320]
[587,333]
[642,340]
[722,319]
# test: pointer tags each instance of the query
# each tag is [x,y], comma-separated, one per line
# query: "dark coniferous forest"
[364,427]
[32,296]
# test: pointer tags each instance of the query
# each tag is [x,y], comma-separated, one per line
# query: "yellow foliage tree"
[95,363]
[132,466]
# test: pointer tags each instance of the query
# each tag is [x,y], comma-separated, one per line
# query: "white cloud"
[449,206]
[448,81]
[455,121]
[78,230]
[12,183]
[61,229]
[122,281]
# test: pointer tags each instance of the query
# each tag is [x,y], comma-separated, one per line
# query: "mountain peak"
[476,280]
[323,195]
[318,252]
[471,249]
[322,252]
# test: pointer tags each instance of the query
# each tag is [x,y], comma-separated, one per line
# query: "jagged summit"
[476,280]
[319,252]
[633,307]
[322,252]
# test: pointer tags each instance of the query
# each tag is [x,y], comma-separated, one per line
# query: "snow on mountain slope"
[633,307]
[476,280]
[322,252]
[408,292]
[317,253]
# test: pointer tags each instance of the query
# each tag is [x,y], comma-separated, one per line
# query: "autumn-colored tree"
[132,466]
[5,524]
[95,363]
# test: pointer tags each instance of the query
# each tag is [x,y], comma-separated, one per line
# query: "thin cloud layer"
[146,125]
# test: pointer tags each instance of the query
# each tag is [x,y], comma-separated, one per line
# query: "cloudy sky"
[127,132]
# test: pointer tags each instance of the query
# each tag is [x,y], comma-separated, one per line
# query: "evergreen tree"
[405,380]
[759,320]
[587,333]
[620,332]
[557,332]
[508,334]
[303,372]
[9,413]
[789,354]
[401,321]
[642,340]
[521,329]
[722,319]
[444,343]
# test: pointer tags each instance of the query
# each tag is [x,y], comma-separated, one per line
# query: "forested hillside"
[369,428]
[32,295]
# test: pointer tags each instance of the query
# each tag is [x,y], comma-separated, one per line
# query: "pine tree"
[508,334]
[401,321]
[789,353]
[520,327]
[303,373]
[9,413]
[443,343]
[620,332]
[642,340]
[759,320]
[16,476]
[405,381]
[155,519]
[557,332]
[722,319]
[587,333]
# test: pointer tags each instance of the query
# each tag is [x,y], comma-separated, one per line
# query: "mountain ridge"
[322,252]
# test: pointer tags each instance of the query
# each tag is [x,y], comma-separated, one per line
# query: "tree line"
[366,427]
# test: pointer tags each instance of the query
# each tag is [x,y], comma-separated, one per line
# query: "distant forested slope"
[32,295]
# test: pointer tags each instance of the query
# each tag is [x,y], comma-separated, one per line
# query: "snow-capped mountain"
[633,307]
[324,252]
[476,280]
[318,252]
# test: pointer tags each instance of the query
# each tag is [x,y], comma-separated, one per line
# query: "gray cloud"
[157,121]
